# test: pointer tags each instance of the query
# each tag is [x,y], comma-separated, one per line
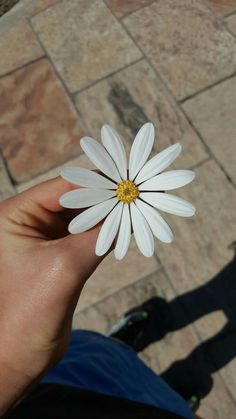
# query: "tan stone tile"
[38,6]
[200,249]
[231,23]
[217,404]
[113,275]
[123,7]
[6,187]
[18,46]
[126,103]
[39,126]
[228,373]
[185,43]
[211,323]
[81,161]
[213,113]
[222,7]
[86,52]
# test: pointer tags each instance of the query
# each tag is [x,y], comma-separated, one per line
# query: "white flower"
[128,194]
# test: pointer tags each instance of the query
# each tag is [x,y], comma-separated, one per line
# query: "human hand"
[42,271]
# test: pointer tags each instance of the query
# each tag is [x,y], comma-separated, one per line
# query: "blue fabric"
[98,363]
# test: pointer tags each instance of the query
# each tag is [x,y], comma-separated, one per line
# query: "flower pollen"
[127,191]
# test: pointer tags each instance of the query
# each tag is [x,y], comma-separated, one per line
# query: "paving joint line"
[200,163]
[208,150]
[137,10]
[9,175]
[46,8]
[159,269]
[205,89]
[9,73]
[67,92]
[113,73]
[229,14]
[224,22]
[34,177]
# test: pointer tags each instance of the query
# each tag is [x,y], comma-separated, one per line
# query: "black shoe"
[193,403]
[143,324]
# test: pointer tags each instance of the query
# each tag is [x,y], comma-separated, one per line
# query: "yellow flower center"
[127,191]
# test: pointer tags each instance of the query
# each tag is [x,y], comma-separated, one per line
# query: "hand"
[42,273]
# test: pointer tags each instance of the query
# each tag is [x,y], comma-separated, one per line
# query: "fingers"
[80,249]
[47,194]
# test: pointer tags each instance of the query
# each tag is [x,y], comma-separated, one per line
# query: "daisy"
[129,194]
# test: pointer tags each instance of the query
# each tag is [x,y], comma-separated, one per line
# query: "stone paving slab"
[18,46]
[200,249]
[88,51]
[130,98]
[39,126]
[173,37]
[222,7]
[6,187]
[213,114]
[122,8]
[38,6]
[231,23]
[81,161]
[218,404]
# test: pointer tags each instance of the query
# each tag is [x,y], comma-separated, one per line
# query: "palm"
[44,271]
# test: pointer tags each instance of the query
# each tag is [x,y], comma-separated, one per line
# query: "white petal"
[158,163]
[141,149]
[82,198]
[169,203]
[92,216]
[115,147]
[109,230]
[158,225]
[168,180]
[142,232]
[86,178]
[123,239]
[100,157]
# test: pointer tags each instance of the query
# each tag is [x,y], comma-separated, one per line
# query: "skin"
[42,272]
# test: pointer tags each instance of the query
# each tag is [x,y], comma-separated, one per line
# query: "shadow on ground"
[192,375]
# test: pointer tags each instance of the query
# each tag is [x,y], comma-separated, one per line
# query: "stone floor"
[67,67]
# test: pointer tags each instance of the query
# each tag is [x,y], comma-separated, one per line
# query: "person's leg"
[109,366]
